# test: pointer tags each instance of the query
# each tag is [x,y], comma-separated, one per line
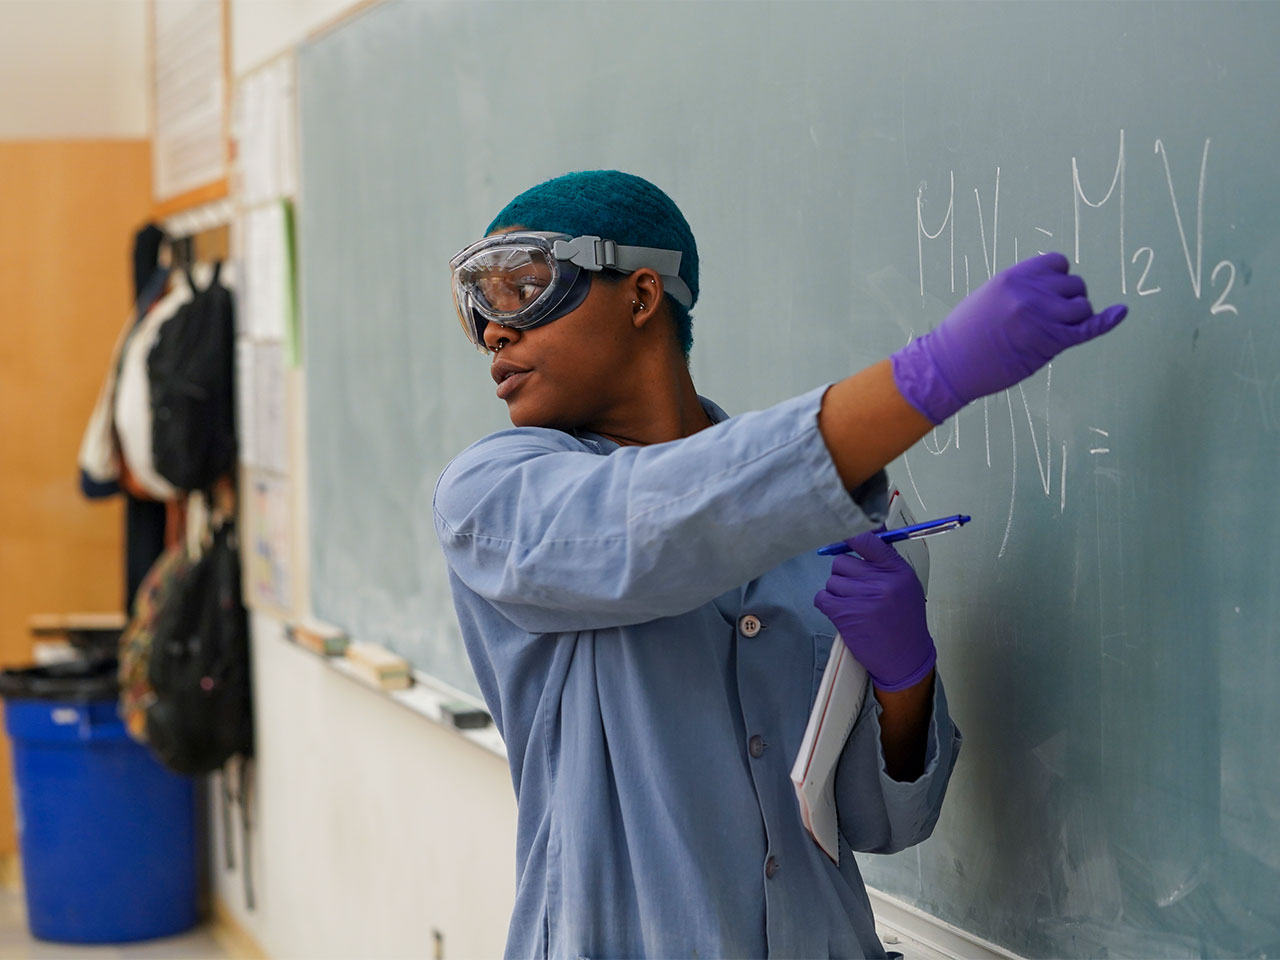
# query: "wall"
[261,30]
[73,69]
[373,827]
[65,290]
[74,185]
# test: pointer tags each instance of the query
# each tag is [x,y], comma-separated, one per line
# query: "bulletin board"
[267,344]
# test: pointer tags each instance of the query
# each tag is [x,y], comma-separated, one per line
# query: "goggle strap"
[666,262]
[678,289]
[593,253]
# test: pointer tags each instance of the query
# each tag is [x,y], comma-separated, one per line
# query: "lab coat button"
[771,867]
[749,625]
[755,746]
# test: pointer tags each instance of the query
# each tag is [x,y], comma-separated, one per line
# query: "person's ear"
[645,290]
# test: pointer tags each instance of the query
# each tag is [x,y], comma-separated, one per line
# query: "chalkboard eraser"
[321,638]
[379,667]
[464,716]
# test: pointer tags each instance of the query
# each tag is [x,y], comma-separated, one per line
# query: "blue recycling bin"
[108,836]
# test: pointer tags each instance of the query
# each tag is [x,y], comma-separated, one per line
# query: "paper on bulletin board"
[268,555]
[269,303]
[265,125]
[268,273]
[246,434]
[262,406]
[272,427]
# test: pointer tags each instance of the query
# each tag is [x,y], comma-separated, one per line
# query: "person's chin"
[525,414]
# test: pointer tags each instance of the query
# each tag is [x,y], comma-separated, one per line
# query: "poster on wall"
[189,96]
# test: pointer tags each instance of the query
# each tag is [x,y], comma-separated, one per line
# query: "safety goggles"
[529,278]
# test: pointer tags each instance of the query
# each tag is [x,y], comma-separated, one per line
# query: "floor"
[16,942]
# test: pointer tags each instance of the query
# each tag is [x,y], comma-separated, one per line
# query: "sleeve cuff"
[935,750]
[864,507]
[872,496]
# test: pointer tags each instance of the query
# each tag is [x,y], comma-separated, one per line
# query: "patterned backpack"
[202,711]
[159,586]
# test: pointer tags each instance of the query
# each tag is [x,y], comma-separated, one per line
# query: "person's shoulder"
[480,465]
[514,444]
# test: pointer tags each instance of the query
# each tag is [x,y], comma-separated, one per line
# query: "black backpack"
[202,714]
[191,371]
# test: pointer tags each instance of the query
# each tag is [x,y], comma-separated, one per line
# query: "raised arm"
[559,538]
[1000,334]
[562,539]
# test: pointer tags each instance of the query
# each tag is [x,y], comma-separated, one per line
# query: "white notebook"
[836,707]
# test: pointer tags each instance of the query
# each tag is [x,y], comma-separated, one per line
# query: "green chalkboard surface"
[1109,625]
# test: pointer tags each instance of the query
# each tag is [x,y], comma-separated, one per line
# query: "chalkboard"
[1108,624]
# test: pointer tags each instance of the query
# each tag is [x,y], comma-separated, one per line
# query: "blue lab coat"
[641,624]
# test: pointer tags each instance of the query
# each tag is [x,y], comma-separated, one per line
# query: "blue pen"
[913,532]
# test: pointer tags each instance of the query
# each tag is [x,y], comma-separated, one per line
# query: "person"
[634,574]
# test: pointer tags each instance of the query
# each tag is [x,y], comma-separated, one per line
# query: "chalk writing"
[1151,255]
[1078,195]
[1220,305]
[1086,195]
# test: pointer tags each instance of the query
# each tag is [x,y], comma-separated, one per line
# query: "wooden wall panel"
[70,209]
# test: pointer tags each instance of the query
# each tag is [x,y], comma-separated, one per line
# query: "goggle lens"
[527,278]
[506,281]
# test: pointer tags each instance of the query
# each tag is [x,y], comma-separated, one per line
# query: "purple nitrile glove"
[876,602]
[1000,334]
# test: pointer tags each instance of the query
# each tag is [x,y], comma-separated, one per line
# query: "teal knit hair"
[616,206]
